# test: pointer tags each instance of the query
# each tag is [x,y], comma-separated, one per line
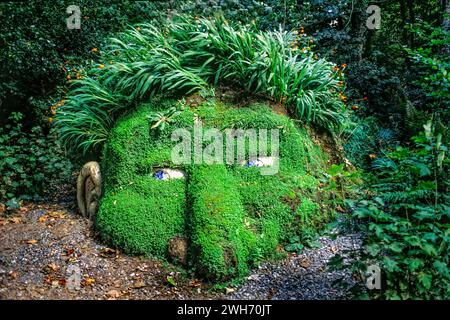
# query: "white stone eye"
[260,162]
[167,174]
[254,163]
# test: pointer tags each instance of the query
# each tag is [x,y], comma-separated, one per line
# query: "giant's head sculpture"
[214,187]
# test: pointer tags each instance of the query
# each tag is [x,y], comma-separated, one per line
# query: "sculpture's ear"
[89,189]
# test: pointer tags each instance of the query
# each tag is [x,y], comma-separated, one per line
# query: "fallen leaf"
[72,260]
[42,219]
[113,294]
[88,282]
[271,294]
[49,279]
[139,284]
[31,241]
[229,290]
[13,274]
[62,282]
[68,252]
[195,283]
[57,214]
[108,252]
[53,266]
[15,220]
[305,263]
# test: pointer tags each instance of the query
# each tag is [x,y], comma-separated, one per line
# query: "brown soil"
[41,244]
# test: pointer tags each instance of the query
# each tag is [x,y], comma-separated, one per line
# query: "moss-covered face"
[230,215]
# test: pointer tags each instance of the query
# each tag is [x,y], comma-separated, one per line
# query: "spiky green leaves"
[189,55]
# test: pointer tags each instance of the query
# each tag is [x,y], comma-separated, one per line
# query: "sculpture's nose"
[220,243]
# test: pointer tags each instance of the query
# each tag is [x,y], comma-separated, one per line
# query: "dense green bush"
[406,218]
[38,51]
[367,138]
[432,61]
[380,89]
[29,164]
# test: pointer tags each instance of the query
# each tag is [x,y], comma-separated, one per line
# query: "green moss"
[307,211]
[139,213]
[143,224]
[221,244]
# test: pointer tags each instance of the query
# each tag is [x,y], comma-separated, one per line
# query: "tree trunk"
[446,22]
[358,27]
[412,19]
[403,23]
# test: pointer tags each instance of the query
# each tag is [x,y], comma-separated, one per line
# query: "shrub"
[379,86]
[432,63]
[367,139]
[407,219]
[30,163]
[39,50]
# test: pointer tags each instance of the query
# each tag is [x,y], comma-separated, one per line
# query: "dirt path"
[43,246]
[50,252]
[304,277]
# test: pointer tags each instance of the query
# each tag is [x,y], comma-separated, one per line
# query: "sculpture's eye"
[260,162]
[254,163]
[167,174]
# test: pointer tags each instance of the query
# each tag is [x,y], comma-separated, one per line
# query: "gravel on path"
[42,244]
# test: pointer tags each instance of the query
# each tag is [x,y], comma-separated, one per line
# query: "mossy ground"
[232,215]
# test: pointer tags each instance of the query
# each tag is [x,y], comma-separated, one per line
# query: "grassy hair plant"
[189,55]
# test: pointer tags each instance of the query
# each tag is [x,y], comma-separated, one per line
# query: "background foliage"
[406,215]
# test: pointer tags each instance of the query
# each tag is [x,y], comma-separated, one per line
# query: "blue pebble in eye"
[159,175]
[255,163]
